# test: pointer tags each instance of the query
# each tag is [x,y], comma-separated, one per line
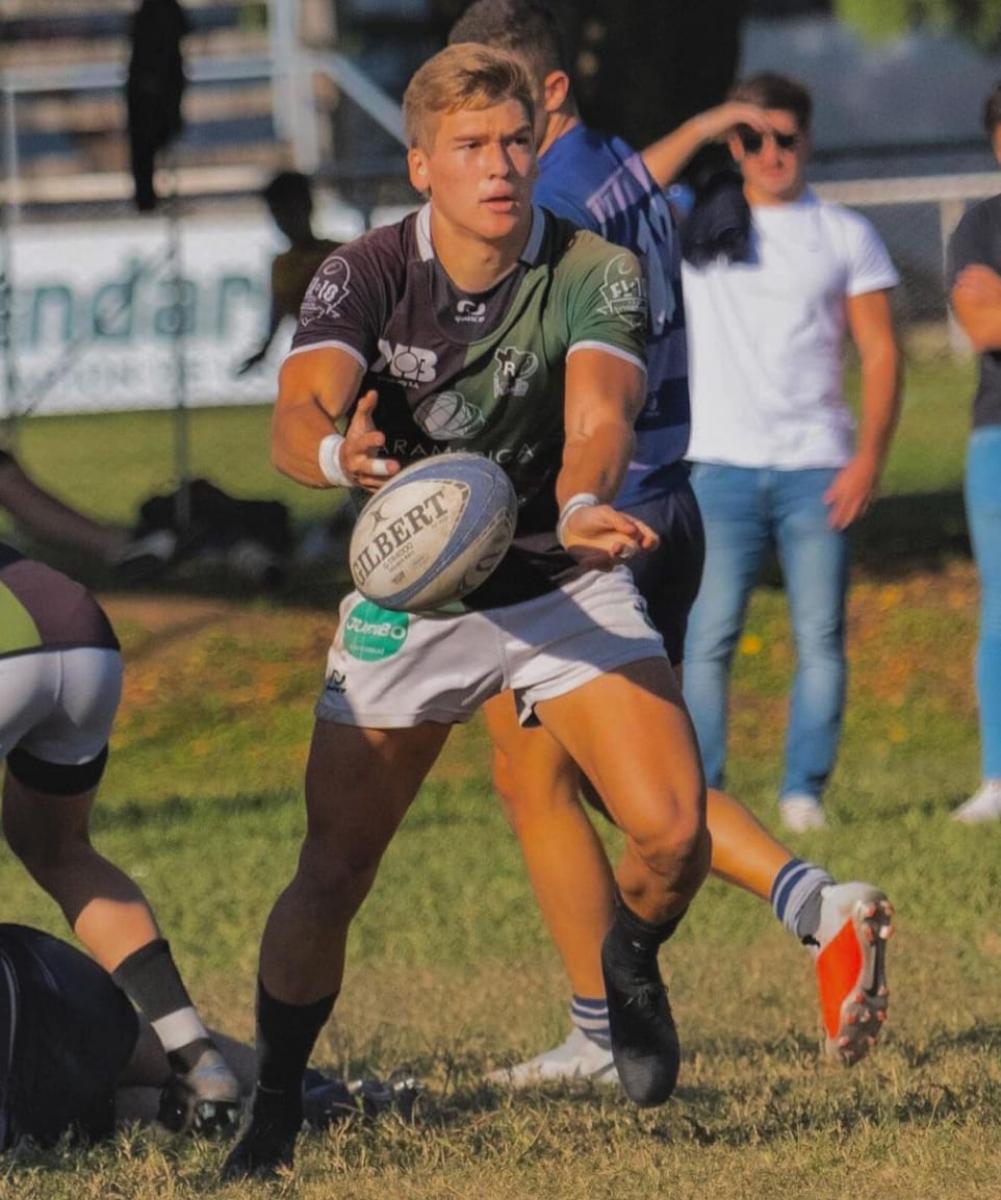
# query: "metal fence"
[120,336]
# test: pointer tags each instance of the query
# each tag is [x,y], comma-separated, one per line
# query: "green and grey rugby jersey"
[498,391]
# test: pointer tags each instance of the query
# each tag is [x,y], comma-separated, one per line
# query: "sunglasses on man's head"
[752,140]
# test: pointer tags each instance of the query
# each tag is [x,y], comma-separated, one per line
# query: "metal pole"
[182,456]
[8,210]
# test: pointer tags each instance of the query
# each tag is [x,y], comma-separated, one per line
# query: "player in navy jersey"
[549,386]
[603,185]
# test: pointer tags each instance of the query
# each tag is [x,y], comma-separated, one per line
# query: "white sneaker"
[856,922]
[801,813]
[983,805]
[576,1058]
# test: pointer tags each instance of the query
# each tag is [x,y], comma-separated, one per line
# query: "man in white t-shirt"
[776,459]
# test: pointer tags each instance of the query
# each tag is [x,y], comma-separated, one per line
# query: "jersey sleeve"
[344,305]
[606,300]
[870,268]
[971,244]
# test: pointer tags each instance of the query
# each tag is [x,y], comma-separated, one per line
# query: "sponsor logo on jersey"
[327,292]
[468,312]
[623,294]
[372,633]
[412,365]
[448,415]
[514,369]
[337,682]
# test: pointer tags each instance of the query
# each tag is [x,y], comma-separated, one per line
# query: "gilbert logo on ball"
[434,533]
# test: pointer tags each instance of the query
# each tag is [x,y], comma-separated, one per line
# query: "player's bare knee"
[334,883]
[677,849]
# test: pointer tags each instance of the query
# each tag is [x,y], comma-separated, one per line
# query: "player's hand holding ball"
[362,446]
[600,537]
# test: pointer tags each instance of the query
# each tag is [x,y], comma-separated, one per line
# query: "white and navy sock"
[590,1015]
[150,977]
[796,897]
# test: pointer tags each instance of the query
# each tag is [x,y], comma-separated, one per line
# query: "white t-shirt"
[766,338]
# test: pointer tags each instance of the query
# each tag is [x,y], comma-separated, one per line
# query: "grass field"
[450,969]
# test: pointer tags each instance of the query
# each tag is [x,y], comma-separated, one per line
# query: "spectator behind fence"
[772,437]
[290,201]
[973,275]
[153,89]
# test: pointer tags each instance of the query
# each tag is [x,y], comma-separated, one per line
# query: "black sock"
[150,977]
[631,940]
[286,1034]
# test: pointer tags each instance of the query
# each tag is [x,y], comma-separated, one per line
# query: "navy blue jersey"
[601,184]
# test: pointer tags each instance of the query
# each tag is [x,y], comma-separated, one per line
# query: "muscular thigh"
[530,766]
[629,731]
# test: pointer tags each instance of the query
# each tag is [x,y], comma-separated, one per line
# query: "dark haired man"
[975,280]
[601,184]
[776,459]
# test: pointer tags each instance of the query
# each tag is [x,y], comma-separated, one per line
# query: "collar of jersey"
[531,254]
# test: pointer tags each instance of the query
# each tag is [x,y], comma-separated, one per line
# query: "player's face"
[480,170]
[773,164]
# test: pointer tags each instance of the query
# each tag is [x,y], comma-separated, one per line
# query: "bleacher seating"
[69,134]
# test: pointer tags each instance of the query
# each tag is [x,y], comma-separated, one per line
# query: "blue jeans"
[983,511]
[745,512]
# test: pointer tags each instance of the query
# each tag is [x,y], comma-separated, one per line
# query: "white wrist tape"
[329,457]
[578,500]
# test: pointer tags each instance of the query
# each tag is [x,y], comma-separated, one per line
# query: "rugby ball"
[433,533]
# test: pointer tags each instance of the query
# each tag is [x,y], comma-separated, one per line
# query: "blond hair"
[464,76]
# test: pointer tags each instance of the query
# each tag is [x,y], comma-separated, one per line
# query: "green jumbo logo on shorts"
[372,633]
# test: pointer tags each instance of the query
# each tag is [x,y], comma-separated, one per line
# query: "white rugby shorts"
[390,670]
[59,705]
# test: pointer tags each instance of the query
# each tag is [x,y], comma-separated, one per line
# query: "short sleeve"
[343,305]
[870,268]
[607,304]
[971,242]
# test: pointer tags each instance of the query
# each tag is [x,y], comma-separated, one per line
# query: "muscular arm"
[976,301]
[871,323]
[315,389]
[603,398]
[604,395]
[667,157]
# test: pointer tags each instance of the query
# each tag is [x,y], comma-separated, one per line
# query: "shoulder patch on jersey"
[623,294]
[327,292]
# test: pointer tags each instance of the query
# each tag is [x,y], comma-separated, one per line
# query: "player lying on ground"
[75,1057]
[547,379]
[60,682]
[600,184]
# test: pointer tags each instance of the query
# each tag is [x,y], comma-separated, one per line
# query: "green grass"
[450,969]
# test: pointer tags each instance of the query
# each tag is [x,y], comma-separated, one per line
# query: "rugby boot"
[983,805]
[578,1059]
[205,1100]
[856,921]
[645,1044]
[267,1146]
